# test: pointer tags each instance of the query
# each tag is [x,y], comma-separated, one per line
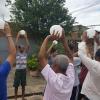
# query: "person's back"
[59,86]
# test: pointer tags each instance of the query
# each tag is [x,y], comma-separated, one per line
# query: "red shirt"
[83,74]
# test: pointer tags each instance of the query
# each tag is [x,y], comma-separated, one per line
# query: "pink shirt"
[59,86]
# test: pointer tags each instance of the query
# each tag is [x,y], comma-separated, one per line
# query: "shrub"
[32,63]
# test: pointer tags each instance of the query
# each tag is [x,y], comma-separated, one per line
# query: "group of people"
[59,70]
[85,86]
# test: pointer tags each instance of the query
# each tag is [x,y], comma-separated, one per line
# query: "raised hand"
[7,29]
[63,37]
[84,36]
[52,37]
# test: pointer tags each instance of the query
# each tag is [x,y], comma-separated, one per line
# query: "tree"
[37,16]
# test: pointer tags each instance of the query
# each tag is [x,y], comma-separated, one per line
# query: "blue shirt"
[4,71]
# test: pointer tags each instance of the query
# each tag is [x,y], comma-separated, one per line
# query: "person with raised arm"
[21,64]
[5,66]
[91,60]
[60,77]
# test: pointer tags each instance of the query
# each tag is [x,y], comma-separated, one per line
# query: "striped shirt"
[21,60]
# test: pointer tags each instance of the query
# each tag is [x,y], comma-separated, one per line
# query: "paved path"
[34,85]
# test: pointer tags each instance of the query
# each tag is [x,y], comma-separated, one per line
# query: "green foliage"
[32,63]
[37,16]
[60,48]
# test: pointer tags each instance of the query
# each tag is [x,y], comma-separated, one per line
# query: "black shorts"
[20,77]
[75,93]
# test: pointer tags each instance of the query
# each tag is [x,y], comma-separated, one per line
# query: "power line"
[89,6]
[93,25]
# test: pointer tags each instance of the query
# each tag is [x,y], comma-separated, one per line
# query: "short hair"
[62,62]
[97,54]
[53,50]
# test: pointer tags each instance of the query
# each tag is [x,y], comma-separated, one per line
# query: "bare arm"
[92,65]
[43,54]
[16,42]
[49,50]
[75,54]
[66,48]
[27,43]
[43,50]
[12,49]
[17,38]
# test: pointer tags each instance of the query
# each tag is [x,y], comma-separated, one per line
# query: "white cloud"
[2,2]
[87,12]
[4,11]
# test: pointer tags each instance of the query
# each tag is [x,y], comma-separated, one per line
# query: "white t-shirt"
[59,86]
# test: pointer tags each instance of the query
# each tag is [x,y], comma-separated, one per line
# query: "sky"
[87,12]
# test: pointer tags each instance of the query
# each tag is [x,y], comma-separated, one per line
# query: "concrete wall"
[4,47]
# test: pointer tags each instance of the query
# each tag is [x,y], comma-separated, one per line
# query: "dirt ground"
[34,85]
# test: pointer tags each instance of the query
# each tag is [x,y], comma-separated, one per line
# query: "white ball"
[56,30]
[22,32]
[2,24]
[91,33]
[55,42]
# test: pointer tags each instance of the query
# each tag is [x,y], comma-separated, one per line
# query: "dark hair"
[97,54]
[53,50]
[71,46]
[20,46]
